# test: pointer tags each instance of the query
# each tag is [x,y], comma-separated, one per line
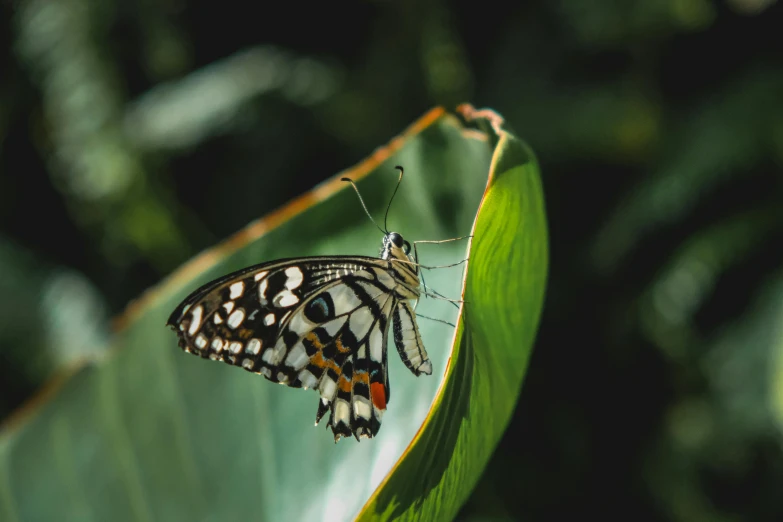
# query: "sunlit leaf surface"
[504,294]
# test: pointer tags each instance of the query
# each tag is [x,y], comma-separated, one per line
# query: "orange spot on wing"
[319,361]
[343,383]
[338,342]
[315,340]
[378,394]
[361,377]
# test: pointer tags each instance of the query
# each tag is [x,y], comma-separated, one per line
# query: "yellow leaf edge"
[495,121]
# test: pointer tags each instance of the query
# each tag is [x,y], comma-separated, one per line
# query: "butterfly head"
[394,246]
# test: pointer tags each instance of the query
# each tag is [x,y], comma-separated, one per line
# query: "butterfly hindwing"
[361,386]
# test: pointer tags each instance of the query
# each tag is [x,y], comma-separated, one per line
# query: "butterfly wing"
[357,394]
[313,322]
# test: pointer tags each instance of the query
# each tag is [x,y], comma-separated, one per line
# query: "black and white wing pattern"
[317,322]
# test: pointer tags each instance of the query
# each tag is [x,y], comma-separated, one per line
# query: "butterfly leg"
[438,295]
[435,319]
[421,274]
[432,293]
[435,242]
[443,240]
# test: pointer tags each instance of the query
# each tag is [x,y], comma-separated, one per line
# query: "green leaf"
[152,433]
[504,293]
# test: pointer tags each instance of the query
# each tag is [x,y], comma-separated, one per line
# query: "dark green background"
[659,129]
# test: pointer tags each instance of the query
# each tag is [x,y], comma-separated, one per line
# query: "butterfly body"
[315,322]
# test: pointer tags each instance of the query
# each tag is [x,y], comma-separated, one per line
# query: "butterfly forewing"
[319,322]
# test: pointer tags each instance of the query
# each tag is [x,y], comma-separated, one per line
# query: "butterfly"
[316,322]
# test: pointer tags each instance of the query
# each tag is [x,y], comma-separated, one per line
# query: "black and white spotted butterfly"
[315,322]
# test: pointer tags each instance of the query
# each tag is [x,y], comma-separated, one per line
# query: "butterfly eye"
[396,239]
[407,248]
[320,309]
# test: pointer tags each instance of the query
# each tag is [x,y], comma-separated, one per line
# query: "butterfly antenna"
[349,180]
[386,217]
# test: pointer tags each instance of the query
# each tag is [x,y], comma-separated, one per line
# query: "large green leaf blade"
[151,433]
[504,294]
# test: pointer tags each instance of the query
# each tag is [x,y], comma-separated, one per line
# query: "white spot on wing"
[236,290]
[217,344]
[216,318]
[327,388]
[266,372]
[333,326]
[299,324]
[253,346]
[360,322]
[342,412]
[307,379]
[262,291]
[376,344]
[273,355]
[361,407]
[259,276]
[373,291]
[235,347]
[344,299]
[269,319]
[228,306]
[195,322]
[247,364]
[295,277]
[235,319]
[201,341]
[285,299]
[297,357]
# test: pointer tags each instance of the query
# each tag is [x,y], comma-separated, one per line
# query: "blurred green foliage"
[134,135]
